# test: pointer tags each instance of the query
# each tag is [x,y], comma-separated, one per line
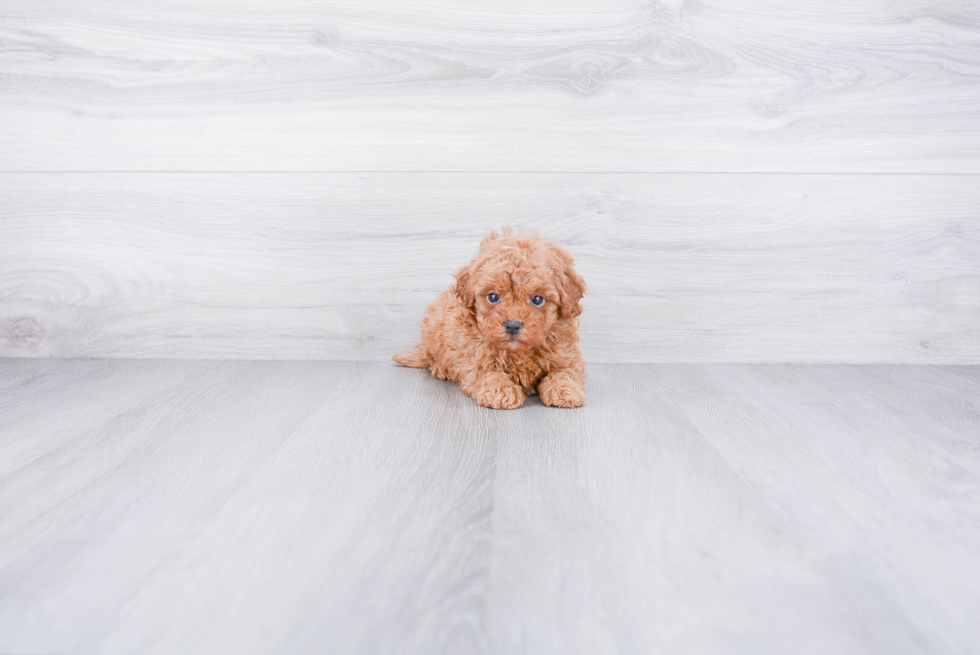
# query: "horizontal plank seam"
[480,172]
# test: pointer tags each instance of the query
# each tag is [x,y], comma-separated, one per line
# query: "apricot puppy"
[508,326]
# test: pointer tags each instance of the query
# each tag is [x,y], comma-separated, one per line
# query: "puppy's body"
[489,334]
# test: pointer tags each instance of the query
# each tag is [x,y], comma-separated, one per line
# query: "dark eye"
[493,298]
[537,301]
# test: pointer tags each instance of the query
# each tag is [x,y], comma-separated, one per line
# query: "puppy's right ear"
[464,286]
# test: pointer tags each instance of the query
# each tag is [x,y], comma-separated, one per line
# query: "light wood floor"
[316,507]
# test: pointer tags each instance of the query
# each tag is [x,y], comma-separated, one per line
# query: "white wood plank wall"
[739,180]
[531,85]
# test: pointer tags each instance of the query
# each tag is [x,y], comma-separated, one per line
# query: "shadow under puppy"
[508,326]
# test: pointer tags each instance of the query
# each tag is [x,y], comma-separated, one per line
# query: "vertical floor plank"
[274,507]
[879,468]
[732,509]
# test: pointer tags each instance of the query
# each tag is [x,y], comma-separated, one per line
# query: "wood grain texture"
[255,507]
[805,268]
[742,509]
[241,507]
[547,85]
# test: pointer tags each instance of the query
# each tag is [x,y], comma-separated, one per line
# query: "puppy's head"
[519,288]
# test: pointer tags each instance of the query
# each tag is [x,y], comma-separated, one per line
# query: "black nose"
[512,327]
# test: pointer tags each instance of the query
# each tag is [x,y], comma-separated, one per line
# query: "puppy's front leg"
[562,388]
[495,390]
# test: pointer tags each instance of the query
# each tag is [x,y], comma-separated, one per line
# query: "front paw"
[561,391]
[501,395]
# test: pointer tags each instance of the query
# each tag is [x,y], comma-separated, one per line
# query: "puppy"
[508,326]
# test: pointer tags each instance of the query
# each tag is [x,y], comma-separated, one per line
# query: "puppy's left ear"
[464,286]
[571,286]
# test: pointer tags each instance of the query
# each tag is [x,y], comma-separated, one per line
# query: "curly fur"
[463,334]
